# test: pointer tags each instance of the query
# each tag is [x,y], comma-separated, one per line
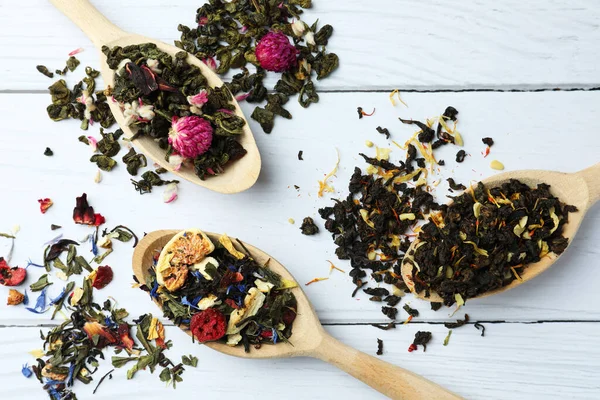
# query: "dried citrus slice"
[185,249]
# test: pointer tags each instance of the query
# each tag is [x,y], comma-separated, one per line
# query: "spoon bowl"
[238,176]
[308,338]
[581,189]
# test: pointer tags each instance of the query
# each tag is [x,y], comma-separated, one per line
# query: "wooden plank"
[549,130]
[533,361]
[382,44]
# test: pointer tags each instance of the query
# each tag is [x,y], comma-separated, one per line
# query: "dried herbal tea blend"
[373,225]
[169,100]
[220,293]
[269,35]
[486,237]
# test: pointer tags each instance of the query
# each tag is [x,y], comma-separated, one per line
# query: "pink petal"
[76,51]
[93,142]
[170,193]
[242,97]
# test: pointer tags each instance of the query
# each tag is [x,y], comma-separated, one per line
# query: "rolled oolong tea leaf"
[486,237]
[45,71]
[308,227]
[460,156]
[169,100]
[48,152]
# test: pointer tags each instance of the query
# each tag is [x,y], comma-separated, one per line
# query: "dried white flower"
[310,38]
[298,27]
[121,65]
[153,65]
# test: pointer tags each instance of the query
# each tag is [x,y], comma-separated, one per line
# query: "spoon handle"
[591,176]
[95,25]
[392,381]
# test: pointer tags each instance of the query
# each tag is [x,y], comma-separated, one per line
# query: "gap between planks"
[399,323]
[509,89]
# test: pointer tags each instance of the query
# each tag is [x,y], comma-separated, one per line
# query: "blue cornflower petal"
[31,263]
[70,376]
[232,268]
[185,321]
[26,371]
[94,246]
[110,323]
[59,297]
[186,302]
[242,288]
[275,337]
[26,298]
[40,304]
[197,299]
[154,291]
[229,288]
[197,275]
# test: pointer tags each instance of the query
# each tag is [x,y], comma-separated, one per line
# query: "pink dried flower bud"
[198,100]
[190,136]
[275,52]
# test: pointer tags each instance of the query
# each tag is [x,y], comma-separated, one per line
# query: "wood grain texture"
[516,361]
[382,44]
[551,130]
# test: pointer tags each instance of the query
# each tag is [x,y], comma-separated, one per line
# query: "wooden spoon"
[581,189]
[238,176]
[309,339]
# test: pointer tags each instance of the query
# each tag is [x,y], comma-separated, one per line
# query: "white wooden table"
[541,339]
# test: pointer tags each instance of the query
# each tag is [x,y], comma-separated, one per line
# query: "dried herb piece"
[460,156]
[435,305]
[488,141]
[48,152]
[379,347]
[383,131]
[149,180]
[55,227]
[455,186]
[411,311]
[189,361]
[40,284]
[308,227]
[421,338]
[447,339]
[44,70]
[386,327]
[389,312]
[458,323]
[300,155]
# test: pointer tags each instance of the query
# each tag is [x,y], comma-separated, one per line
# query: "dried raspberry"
[208,325]
[268,334]
[11,276]
[104,276]
[230,278]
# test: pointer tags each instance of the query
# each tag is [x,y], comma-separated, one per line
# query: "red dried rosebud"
[11,276]
[412,348]
[208,325]
[45,204]
[84,214]
[231,303]
[125,339]
[275,52]
[104,275]
[96,329]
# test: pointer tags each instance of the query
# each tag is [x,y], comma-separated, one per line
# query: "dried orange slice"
[184,250]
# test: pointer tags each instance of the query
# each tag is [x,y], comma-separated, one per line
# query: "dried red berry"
[230,278]
[268,334]
[208,325]
[288,316]
[104,276]
[45,204]
[412,348]
[11,276]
